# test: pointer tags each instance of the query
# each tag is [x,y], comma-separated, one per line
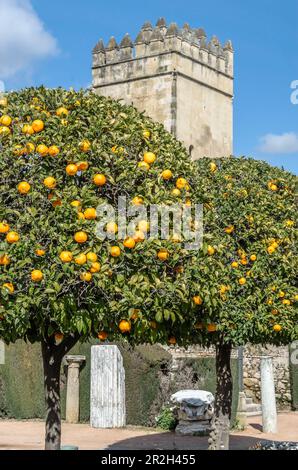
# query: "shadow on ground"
[170,441]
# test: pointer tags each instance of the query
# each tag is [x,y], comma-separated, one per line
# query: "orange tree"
[63,154]
[245,278]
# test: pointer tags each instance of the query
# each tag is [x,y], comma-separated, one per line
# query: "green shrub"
[166,419]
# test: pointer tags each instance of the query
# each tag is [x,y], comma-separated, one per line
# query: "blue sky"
[50,43]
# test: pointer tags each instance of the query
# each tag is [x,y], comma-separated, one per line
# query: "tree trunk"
[52,355]
[219,436]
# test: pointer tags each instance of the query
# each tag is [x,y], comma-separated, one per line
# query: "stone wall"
[251,373]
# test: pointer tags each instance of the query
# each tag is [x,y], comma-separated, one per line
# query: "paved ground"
[19,435]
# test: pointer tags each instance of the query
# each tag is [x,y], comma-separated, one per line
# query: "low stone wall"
[251,373]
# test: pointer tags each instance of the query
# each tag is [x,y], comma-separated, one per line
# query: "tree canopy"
[64,153]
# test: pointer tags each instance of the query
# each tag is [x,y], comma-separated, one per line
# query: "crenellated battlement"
[161,39]
[177,76]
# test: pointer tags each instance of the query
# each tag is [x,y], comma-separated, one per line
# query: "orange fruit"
[4,227]
[90,213]
[149,157]
[81,216]
[213,167]
[71,169]
[138,236]
[85,146]
[286,302]
[124,326]
[58,337]
[115,251]
[99,179]
[30,147]
[176,238]
[81,259]
[197,300]
[270,249]
[38,125]
[102,335]
[80,237]
[167,174]
[244,261]
[176,192]
[75,203]
[273,187]
[188,202]
[82,166]
[230,229]
[112,227]
[143,225]
[40,252]
[172,340]
[12,237]
[179,269]
[146,134]
[36,275]
[210,250]
[137,201]
[24,187]
[50,182]
[277,328]
[253,258]
[135,314]
[129,243]
[234,264]
[3,101]
[62,111]
[144,166]
[9,286]
[53,150]
[4,130]
[181,183]
[4,260]
[86,277]
[211,328]
[95,267]
[163,254]
[66,256]
[27,129]
[242,281]
[281,294]
[5,120]
[42,149]
[296,298]
[19,150]
[274,311]
[92,257]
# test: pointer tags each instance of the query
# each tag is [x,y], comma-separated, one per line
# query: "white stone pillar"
[107,387]
[2,352]
[73,387]
[268,396]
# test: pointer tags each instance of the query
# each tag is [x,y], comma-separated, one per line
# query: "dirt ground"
[18,435]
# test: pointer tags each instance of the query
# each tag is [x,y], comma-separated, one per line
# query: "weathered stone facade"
[178,79]
[251,373]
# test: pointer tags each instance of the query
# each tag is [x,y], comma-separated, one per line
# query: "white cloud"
[23,38]
[283,143]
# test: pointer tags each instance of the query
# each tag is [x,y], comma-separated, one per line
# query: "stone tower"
[178,78]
